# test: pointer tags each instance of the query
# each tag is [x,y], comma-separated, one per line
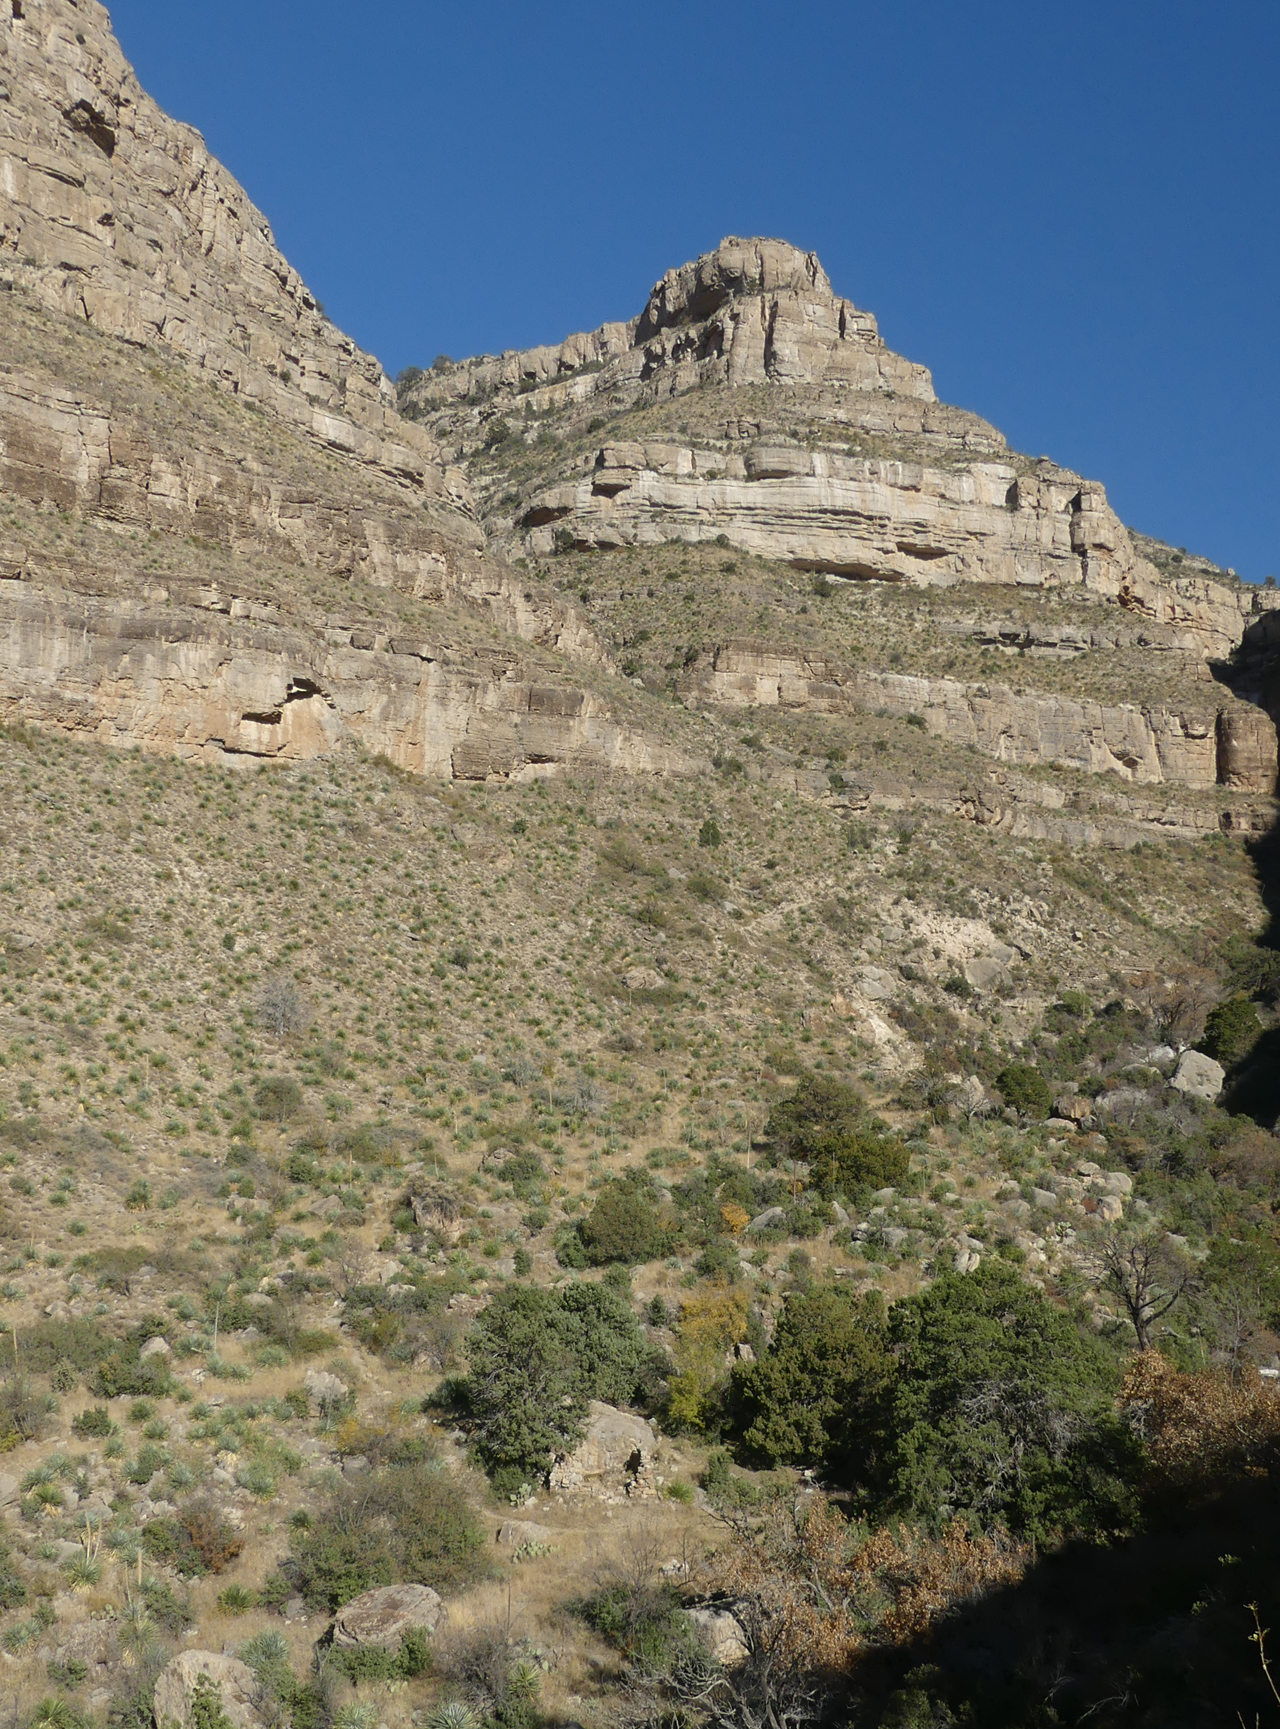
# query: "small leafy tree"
[1231,1030]
[825,1123]
[623,1226]
[537,1357]
[1001,1409]
[814,1398]
[1022,1086]
[711,1323]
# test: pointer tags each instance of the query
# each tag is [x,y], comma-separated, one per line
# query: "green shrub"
[623,1226]
[277,1098]
[986,1370]
[644,1622]
[537,1357]
[810,1399]
[709,834]
[1022,1086]
[825,1123]
[1231,1030]
[406,1521]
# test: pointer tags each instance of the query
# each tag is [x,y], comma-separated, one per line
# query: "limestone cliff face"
[894,521]
[166,377]
[194,681]
[751,312]
[1231,743]
[114,213]
[821,449]
[60,447]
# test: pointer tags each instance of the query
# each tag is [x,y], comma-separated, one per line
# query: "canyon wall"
[1225,743]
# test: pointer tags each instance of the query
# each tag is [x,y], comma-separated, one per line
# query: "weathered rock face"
[1198,1075]
[752,311]
[937,500]
[114,213]
[178,1684]
[1234,747]
[615,1456]
[384,1616]
[193,683]
[994,522]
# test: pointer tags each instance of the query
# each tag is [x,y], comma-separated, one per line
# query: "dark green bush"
[1022,1086]
[624,1225]
[825,1123]
[537,1357]
[812,1399]
[1231,1030]
[999,1409]
[407,1521]
[277,1098]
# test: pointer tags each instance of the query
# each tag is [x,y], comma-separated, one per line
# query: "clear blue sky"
[1072,214]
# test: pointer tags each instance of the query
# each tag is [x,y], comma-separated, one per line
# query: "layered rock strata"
[989,522]
[1232,744]
[845,464]
[113,213]
[752,311]
[193,683]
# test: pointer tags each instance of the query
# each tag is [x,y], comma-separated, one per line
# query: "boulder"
[8,1489]
[513,1533]
[235,1682]
[721,1633]
[986,972]
[156,1347]
[322,1388]
[92,1643]
[1044,1198]
[770,1219]
[1110,1209]
[1074,1106]
[1117,1183]
[1198,1076]
[384,1616]
[617,1452]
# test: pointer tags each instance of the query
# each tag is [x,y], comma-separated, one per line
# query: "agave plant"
[360,1714]
[84,1572]
[453,1714]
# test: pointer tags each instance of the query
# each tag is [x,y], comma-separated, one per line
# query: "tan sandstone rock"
[236,1685]
[385,1615]
[617,1454]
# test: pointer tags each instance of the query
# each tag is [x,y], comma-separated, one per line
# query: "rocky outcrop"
[178,1702]
[113,213]
[752,311]
[384,1616]
[192,682]
[617,1455]
[59,447]
[1236,746]
[993,522]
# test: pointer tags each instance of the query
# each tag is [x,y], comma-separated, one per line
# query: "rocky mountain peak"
[766,310]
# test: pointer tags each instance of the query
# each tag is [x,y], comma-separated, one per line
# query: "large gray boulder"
[234,1681]
[1198,1076]
[720,1632]
[384,1616]
[617,1452]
